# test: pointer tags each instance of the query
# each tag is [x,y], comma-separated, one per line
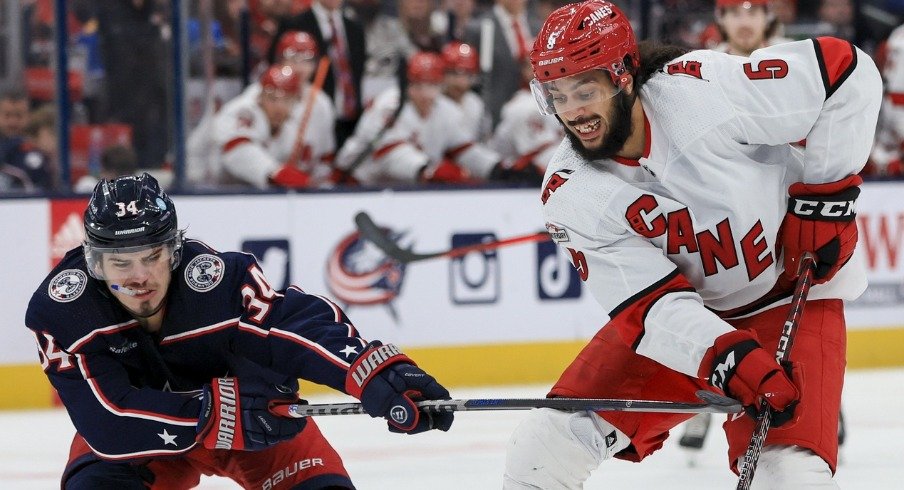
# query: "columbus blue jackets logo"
[67,285]
[358,273]
[204,272]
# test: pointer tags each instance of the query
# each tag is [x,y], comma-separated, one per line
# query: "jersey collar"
[646,146]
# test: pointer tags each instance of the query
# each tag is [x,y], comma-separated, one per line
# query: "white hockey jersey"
[412,143]
[475,120]
[524,133]
[689,230]
[237,144]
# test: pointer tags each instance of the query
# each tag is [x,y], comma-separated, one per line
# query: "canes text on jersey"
[648,220]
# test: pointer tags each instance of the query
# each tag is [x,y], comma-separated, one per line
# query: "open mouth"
[588,130]
[135,293]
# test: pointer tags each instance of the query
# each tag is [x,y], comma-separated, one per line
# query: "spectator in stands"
[461,69]
[836,18]
[13,113]
[387,45]
[135,62]
[415,17]
[513,35]
[785,11]
[746,25]
[26,161]
[342,38]
[417,138]
[42,133]
[453,18]
[115,161]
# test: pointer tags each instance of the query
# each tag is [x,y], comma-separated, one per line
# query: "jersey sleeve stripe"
[141,454]
[311,345]
[896,98]
[78,344]
[385,149]
[453,153]
[124,412]
[649,306]
[200,331]
[235,142]
[837,59]
[643,293]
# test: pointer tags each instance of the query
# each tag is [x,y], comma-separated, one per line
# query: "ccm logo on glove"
[825,210]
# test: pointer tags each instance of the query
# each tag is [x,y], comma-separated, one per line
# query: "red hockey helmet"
[460,57]
[296,43]
[426,67]
[280,79]
[593,35]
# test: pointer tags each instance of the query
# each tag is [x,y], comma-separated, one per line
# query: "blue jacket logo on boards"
[359,273]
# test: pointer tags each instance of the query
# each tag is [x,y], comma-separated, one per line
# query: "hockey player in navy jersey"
[685,209]
[167,355]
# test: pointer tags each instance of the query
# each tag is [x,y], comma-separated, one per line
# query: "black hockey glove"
[388,384]
[235,413]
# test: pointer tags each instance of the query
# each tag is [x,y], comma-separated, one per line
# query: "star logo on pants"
[168,438]
[349,350]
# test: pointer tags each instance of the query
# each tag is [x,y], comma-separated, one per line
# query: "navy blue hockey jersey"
[134,395]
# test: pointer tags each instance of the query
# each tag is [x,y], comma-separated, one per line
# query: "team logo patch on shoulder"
[558,235]
[204,272]
[67,285]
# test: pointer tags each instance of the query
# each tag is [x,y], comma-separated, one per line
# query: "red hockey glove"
[388,383]
[447,172]
[290,176]
[742,369]
[236,414]
[820,220]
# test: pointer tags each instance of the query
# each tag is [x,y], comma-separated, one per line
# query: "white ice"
[34,447]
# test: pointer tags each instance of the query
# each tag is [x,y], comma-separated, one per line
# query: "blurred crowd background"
[214,95]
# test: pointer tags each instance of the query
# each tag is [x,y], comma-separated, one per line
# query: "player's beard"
[618,130]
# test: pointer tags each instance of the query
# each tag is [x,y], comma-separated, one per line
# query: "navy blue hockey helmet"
[129,214]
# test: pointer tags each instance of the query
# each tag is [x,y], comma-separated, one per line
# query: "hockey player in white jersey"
[277,132]
[888,153]
[685,212]
[524,137]
[424,141]
[460,60]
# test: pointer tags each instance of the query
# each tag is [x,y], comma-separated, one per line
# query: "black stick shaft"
[371,231]
[710,403]
[747,466]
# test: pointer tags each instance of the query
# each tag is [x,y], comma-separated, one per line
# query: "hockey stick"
[378,237]
[371,145]
[316,87]
[709,403]
[748,463]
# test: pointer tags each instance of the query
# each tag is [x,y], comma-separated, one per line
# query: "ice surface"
[34,447]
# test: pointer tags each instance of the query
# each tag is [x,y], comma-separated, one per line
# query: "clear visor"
[119,262]
[571,93]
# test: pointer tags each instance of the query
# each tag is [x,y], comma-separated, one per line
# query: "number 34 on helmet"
[129,214]
[578,38]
